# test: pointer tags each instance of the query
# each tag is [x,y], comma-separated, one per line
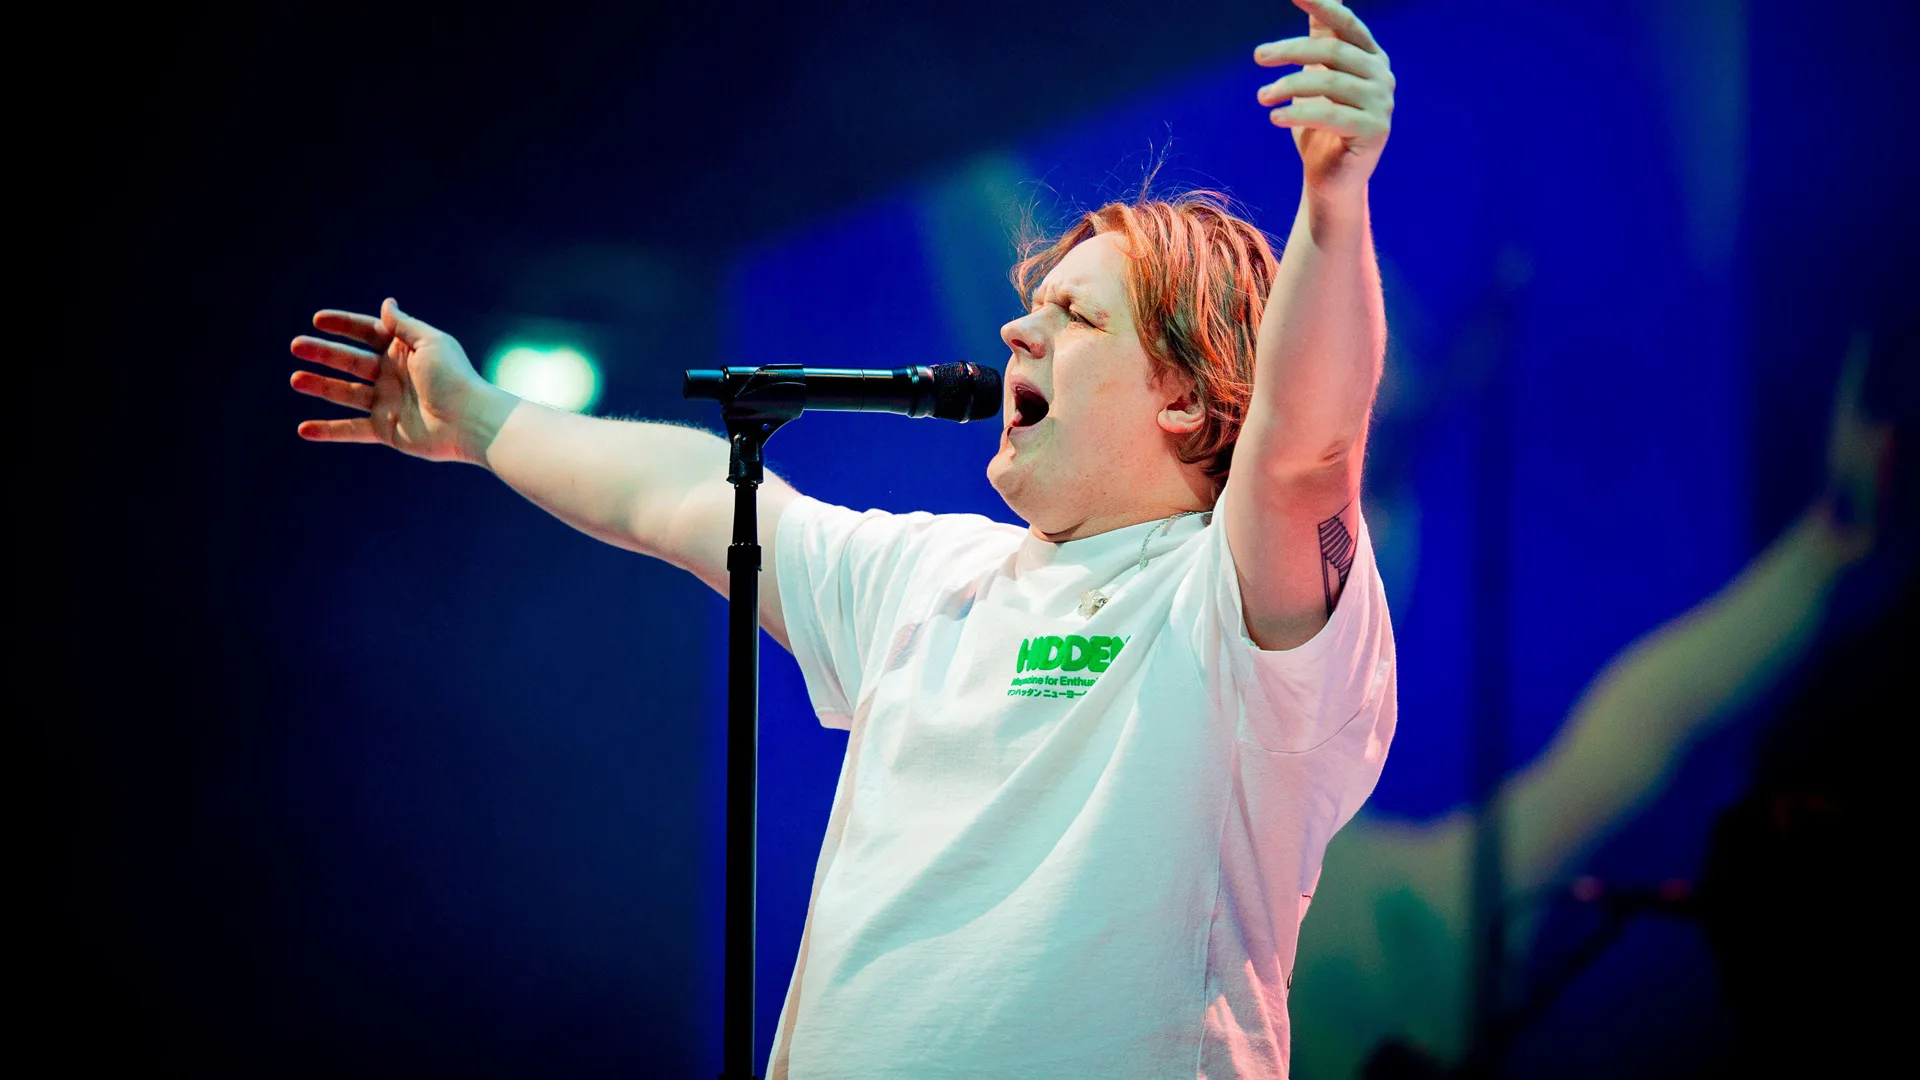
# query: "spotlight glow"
[558,376]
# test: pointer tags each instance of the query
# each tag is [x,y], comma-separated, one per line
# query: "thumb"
[402,325]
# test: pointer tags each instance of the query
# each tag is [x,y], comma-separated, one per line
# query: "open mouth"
[1029,407]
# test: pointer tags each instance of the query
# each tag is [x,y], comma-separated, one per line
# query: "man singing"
[1092,765]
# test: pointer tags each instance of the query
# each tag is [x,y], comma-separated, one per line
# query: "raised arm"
[1665,690]
[1658,695]
[1294,512]
[658,489]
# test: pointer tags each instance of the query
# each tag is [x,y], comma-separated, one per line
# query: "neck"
[1195,494]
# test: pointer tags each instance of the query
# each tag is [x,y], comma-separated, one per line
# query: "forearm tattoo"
[1336,557]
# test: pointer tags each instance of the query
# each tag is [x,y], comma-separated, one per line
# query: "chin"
[1014,480]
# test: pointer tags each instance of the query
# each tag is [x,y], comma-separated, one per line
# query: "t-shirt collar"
[1114,549]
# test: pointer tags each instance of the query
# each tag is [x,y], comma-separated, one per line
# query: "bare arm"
[1663,691]
[1296,480]
[658,489]
[1629,727]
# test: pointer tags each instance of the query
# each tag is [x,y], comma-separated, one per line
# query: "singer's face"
[1080,432]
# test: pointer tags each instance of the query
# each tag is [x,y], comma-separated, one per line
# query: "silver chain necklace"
[1093,600]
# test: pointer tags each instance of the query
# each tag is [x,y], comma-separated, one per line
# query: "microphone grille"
[965,392]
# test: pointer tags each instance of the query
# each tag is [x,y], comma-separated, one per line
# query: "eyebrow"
[1065,295]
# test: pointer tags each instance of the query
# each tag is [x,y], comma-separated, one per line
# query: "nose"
[1026,335]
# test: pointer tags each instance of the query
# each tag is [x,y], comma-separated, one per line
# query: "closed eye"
[1072,315]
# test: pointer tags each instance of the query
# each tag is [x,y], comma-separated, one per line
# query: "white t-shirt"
[1063,846]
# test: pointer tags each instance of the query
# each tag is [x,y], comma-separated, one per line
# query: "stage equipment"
[945,391]
[754,403]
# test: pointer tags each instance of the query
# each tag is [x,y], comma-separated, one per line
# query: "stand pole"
[745,472]
[754,408]
[775,395]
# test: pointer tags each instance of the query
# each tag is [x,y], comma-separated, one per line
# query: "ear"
[1184,412]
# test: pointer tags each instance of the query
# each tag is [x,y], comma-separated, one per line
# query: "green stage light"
[556,375]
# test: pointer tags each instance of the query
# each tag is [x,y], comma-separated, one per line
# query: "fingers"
[1323,115]
[356,362]
[364,329]
[1328,52]
[403,326]
[354,395]
[1346,85]
[357,430]
[1333,85]
[1340,19]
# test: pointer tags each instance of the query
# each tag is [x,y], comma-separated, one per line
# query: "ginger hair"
[1197,280]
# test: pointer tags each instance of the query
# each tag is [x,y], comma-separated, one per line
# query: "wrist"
[1332,210]
[486,412]
[1839,535]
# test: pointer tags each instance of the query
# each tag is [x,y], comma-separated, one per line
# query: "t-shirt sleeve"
[1339,684]
[843,575]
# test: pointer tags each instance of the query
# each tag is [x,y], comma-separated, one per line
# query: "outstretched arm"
[1669,687]
[1296,476]
[658,489]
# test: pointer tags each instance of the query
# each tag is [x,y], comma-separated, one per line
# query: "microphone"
[960,392]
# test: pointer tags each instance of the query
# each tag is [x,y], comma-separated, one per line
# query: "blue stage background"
[353,765]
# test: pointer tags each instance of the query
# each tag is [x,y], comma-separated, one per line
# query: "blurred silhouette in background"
[1385,961]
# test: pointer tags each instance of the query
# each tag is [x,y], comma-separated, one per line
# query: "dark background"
[502,867]
[344,770]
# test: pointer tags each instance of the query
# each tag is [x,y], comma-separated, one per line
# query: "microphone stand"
[754,403]
[768,400]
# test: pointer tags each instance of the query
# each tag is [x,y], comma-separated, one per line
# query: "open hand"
[421,394]
[1341,100]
